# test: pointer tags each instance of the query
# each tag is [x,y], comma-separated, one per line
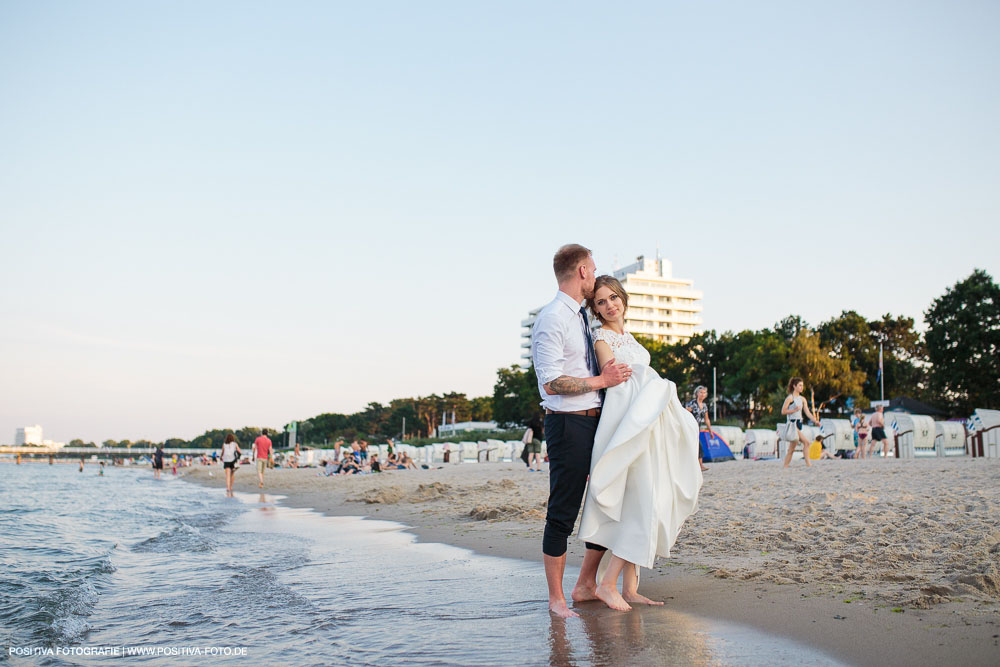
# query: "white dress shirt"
[559,347]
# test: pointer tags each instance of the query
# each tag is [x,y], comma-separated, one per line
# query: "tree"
[481,408]
[905,358]
[109,443]
[516,401]
[76,442]
[827,377]
[850,336]
[755,369]
[963,343]
[675,361]
[790,327]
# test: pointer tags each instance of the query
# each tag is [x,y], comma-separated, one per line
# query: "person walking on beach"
[793,407]
[877,422]
[262,449]
[699,409]
[569,382]
[644,474]
[533,448]
[231,454]
[158,461]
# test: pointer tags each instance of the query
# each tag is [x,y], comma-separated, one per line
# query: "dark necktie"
[591,354]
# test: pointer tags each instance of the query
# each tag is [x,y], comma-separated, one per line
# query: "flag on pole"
[879,378]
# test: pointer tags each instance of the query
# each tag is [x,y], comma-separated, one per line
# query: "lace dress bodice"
[626,349]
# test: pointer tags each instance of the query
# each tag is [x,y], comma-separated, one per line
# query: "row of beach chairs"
[912,436]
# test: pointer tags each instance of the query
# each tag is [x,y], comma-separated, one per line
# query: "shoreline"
[896,618]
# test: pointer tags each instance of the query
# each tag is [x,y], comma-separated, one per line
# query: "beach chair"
[838,435]
[914,435]
[513,451]
[949,439]
[734,437]
[503,450]
[491,453]
[762,443]
[516,446]
[469,451]
[984,438]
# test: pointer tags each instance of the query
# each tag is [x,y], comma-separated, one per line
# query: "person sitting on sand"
[349,467]
[374,464]
[823,452]
[407,462]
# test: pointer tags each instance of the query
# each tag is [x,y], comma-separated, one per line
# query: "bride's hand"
[613,374]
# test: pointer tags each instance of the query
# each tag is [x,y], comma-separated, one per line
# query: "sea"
[101,569]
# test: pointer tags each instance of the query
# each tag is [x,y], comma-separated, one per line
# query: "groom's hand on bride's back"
[613,374]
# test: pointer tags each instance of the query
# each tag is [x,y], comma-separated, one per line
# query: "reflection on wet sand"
[449,605]
[646,635]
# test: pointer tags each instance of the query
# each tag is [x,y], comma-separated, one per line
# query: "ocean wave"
[180,538]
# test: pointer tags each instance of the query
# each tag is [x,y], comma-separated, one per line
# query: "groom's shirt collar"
[572,303]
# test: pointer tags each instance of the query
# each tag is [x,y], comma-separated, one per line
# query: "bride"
[644,471]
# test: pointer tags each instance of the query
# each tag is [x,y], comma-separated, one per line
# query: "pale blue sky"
[227,213]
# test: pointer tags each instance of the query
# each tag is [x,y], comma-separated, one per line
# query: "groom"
[569,382]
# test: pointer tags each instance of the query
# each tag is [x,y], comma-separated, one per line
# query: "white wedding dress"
[644,470]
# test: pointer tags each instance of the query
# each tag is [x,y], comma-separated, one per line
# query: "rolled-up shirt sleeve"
[547,350]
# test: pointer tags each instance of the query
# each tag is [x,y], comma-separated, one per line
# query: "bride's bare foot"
[609,595]
[635,598]
[561,610]
[583,593]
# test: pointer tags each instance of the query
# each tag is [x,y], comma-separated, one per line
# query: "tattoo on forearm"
[570,386]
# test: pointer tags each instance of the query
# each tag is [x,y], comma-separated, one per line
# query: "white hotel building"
[660,306]
[28,435]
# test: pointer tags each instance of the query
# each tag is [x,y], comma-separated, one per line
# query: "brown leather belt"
[592,412]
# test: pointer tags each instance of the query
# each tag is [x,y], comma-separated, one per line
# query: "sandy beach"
[875,562]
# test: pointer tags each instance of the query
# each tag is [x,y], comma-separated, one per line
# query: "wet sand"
[875,562]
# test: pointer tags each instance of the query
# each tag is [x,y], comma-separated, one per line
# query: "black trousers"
[570,440]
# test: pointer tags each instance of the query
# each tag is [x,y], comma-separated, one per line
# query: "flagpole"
[881,373]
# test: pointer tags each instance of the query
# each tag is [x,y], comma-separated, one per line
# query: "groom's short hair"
[568,258]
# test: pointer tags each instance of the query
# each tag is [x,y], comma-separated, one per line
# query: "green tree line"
[954,366]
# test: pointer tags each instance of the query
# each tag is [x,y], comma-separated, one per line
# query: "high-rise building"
[660,306]
[28,435]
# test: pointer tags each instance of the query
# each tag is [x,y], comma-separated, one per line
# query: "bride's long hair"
[612,284]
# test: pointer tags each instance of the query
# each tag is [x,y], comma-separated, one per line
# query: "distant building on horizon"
[28,435]
[660,306]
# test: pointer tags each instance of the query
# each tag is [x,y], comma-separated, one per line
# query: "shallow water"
[126,561]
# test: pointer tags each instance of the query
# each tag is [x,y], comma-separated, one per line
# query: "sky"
[244,213]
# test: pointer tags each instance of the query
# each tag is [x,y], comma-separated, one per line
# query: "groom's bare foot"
[635,598]
[560,609]
[610,596]
[583,593]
